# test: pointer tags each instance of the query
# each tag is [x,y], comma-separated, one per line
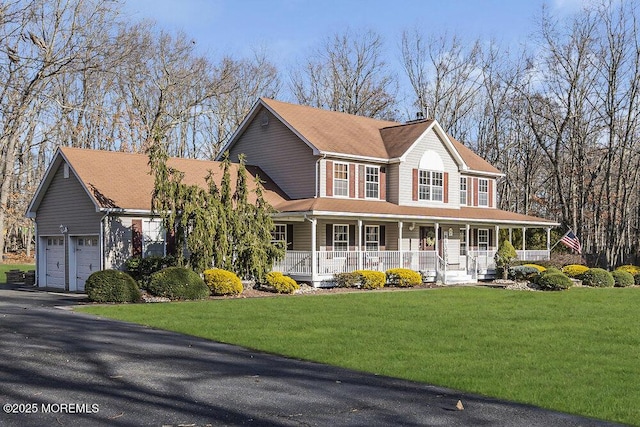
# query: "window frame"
[340,185]
[483,242]
[367,241]
[336,233]
[373,185]
[463,190]
[148,238]
[427,187]
[276,232]
[483,194]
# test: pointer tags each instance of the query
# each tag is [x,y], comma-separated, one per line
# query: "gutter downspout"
[317,189]
[102,235]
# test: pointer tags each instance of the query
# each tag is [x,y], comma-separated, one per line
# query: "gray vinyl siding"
[429,141]
[393,183]
[302,236]
[67,203]
[118,242]
[281,154]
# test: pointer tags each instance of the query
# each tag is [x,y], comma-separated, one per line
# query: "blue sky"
[290,29]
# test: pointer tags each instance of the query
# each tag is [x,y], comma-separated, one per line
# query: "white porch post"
[549,240]
[511,235]
[524,239]
[497,236]
[360,254]
[314,252]
[437,227]
[400,225]
[467,233]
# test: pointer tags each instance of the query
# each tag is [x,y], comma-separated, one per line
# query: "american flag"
[571,241]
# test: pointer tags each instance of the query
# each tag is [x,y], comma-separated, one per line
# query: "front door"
[427,238]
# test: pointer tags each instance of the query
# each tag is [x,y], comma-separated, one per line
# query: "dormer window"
[430,185]
[341,179]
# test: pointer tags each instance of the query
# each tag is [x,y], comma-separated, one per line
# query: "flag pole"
[559,240]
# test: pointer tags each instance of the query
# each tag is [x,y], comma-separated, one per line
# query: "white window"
[341,179]
[483,239]
[279,233]
[483,192]
[430,185]
[372,182]
[372,237]
[153,238]
[463,191]
[340,237]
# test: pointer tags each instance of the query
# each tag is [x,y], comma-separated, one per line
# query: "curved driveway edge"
[77,369]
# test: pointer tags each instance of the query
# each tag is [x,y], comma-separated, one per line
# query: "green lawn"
[6,267]
[576,351]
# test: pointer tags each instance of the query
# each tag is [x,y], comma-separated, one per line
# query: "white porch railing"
[332,262]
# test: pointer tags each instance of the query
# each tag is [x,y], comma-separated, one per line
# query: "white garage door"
[87,253]
[55,262]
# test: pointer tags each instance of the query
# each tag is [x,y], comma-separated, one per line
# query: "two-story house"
[351,193]
[373,194]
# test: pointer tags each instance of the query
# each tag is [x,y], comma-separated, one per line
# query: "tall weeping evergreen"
[189,212]
[216,226]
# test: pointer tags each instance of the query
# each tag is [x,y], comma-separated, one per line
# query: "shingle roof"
[359,208]
[123,180]
[335,132]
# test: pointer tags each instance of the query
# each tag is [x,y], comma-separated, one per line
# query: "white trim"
[377,167]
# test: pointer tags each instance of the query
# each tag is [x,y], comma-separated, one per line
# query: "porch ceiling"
[333,207]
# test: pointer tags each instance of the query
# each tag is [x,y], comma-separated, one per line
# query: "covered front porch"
[447,252]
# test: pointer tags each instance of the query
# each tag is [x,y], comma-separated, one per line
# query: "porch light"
[63,229]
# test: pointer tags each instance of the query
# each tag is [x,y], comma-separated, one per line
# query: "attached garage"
[54,263]
[85,260]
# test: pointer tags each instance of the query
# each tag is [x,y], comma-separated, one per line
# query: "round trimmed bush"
[111,286]
[521,272]
[370,279]
[597,277]
[622,279]
[403,277]
[538,267]
[177,283]
[554,282]
[222,282]
[280,283]
[347,280]
[631,269]
[574,270]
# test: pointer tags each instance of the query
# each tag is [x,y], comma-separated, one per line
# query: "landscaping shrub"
[636,279]
[522,272]
[370,279]
[597,277]
[177,283]
[141,269]
[504,258]
[574,270]
[551,270]
[111,286]
[622,279]
[539,268]
[403,277]
[631,269]
[346,280]
[280,283]
[367,279]
[222,282]
[554,282]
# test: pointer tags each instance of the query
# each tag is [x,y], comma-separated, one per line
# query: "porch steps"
[456,277]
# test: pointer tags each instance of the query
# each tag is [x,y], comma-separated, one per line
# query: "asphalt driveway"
[59,367]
